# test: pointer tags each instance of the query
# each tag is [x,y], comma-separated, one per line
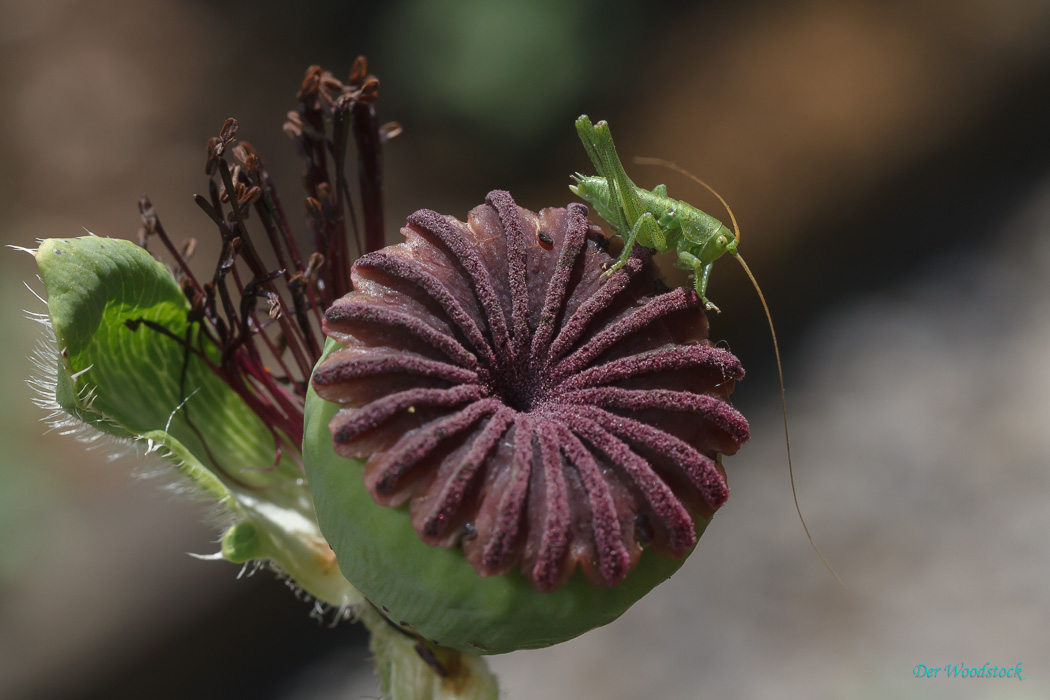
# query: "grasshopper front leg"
[701,275]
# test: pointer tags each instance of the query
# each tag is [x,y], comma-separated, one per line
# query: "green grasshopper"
[649,217]
[653,219]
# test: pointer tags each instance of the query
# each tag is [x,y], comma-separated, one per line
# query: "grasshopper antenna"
[783,406]
[776,348]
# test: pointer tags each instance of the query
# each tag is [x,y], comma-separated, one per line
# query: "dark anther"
[389,131]
[246,155]
[310,84]
[358,70]
[232,253]
[249,195]
[148,214]
[314,209]
[228,132]
[188,290]
[293,128]
[189,246]
[214,149]
[275,305]
[369,91]
[197,310]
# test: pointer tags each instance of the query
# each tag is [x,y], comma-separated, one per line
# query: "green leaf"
[127,382]
[140,383]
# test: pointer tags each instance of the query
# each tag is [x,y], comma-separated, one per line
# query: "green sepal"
[141,385]
[127,382]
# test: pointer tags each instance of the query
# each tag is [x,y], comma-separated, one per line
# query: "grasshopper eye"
[723,241]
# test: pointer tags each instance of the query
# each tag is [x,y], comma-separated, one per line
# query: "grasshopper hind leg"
[624,203]
[643,230]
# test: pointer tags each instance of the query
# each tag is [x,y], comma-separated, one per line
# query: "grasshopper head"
[585,187]
[722,241]
[594,190]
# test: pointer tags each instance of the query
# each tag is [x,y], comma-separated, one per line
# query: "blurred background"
[889,163]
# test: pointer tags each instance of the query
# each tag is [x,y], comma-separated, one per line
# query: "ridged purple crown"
[529,411]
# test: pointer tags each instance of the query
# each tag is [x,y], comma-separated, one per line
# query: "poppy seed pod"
[506,448]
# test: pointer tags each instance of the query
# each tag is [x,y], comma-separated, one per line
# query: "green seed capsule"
[493,478]
[435,592]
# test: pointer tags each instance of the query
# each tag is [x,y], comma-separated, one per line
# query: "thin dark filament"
[232,320]
[192,426]
[340,140]
[278,357]
[274,204]
[292,334]
[275,243]
[297,294]
[265,386]
[369,170]
[233,362]
[256,367]
[330,239]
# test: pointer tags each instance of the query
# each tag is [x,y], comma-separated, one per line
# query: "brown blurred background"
[890,166]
